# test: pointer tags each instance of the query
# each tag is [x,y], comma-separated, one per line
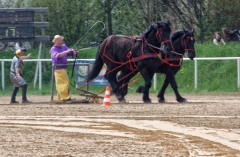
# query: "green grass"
[213,76]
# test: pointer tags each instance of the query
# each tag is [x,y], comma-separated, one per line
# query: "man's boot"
[24,94]
[14,93]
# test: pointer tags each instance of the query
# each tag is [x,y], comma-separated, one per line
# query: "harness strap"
[185,44]
[105,46]
[135,59]
[166,61]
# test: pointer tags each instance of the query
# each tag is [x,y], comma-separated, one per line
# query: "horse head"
[158,35]
[163,35]
[188,43]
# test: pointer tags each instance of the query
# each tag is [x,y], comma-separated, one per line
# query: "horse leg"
[120,82]
[139,89]
[162,91]
[147,76]
[170,77]
[126,81]
[124,78]
[111,77]
[120,77]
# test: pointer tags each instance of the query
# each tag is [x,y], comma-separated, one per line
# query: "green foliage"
[69,18]
[73,18]
[88,53]
[226,14]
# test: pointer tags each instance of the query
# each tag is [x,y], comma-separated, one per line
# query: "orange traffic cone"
[106,100]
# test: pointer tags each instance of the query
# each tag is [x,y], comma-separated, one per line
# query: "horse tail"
[96,68]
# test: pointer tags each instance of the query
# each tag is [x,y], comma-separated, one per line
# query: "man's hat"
[20,50]
[23,49]
[56,37]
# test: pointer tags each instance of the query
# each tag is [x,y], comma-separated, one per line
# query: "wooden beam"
[36,10]
[32,24]
[36,38]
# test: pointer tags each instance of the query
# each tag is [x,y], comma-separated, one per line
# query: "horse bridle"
[166,60]
[158,35]
[185,44]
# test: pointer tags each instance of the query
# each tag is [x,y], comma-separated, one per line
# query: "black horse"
[183,41]
[231,35]
[132,54]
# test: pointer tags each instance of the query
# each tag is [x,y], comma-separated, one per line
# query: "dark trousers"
[24,92]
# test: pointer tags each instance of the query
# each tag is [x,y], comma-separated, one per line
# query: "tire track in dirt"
[111,137]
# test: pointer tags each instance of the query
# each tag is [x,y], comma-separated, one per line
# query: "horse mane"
[153,26]
[148,30]
[176,34]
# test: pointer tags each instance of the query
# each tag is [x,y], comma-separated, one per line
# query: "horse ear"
[192,30]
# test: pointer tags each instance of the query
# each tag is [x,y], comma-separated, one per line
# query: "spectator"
[238,34]
[218,39]
[59,54]
[16,75]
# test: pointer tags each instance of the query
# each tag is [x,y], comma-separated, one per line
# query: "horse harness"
[131,60]
[168,60]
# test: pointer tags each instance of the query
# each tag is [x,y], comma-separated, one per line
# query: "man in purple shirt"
[59,54]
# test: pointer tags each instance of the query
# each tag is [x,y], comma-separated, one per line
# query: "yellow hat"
[18,52]
[56,37]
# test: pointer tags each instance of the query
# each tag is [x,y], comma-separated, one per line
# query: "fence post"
[195,74]
[238,72]
[3,81]
[40,74]
[155,81]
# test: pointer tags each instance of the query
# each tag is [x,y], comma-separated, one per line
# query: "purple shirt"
[55,51]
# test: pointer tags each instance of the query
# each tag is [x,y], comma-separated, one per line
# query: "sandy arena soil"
[209,125]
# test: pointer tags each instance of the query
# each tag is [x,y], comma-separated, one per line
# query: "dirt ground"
[208,125]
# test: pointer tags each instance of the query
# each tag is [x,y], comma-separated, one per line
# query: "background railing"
[39,61]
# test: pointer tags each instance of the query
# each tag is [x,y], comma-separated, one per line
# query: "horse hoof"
[119,97]
[147,101]
[182,100]
[161,101]
[122,101]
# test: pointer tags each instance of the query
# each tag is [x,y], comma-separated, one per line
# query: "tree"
[136,15]
[69,18]
[108,6]
[226,14]
[191,13]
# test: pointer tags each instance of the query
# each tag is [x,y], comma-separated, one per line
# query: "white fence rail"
[39,61]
